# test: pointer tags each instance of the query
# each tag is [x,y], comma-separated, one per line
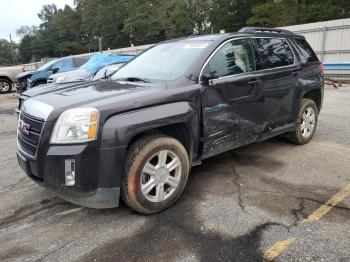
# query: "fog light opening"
[70,172]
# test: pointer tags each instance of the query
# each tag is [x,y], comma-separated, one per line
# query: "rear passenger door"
[276,65]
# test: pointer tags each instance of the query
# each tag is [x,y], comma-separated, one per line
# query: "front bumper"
[98,173]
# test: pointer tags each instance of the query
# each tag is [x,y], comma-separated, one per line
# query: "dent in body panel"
[232,114]
[280,86]
[312,78]
[234,131]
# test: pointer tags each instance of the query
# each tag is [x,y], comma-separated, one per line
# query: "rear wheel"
[155,173]
[5,86]
[307,123]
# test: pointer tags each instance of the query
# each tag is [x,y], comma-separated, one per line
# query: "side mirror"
[55,70]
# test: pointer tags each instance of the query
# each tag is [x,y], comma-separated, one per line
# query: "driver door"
[233,105]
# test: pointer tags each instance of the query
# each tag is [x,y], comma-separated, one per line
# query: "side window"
[235,57]
[273,52]
[64,65]
[306,50]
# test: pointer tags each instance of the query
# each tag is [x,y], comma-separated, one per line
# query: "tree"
[230,15]
[152,21]
[5,53]
[321,11]
[103,18]
[26,31]
[76,30]
[46,13]
[25,49]
[277,13]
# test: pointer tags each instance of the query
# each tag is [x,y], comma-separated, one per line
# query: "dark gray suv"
[136,134]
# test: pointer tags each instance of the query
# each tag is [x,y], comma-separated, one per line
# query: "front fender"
[119,130]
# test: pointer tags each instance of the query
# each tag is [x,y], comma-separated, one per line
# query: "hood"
[44,89]
[26,74]
[108,96]
[71,75]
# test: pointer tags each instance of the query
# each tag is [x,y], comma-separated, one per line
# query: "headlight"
[76,126]
[29,81]
[61,79]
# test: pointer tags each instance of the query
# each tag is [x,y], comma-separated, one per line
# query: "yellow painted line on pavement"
[274,251]
[324,209]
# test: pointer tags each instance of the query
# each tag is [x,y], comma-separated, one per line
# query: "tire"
[303,134]
[5,86]
[146,151]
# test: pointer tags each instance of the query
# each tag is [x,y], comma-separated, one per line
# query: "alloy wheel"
[161,176]
[308,122]
[4,87]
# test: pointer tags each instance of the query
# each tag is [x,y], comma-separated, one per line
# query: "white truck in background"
[8,75]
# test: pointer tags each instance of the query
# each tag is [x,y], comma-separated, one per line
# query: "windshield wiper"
[135,79]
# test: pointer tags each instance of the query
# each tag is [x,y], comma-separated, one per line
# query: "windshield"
[47,65]
[167,61]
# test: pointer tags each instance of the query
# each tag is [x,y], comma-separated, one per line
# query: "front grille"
[29,141]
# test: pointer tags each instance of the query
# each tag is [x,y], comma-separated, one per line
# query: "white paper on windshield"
[195,46]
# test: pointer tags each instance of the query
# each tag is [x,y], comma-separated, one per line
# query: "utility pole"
[100,43]
[12,51]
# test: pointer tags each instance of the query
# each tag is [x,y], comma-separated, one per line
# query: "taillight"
[321,69]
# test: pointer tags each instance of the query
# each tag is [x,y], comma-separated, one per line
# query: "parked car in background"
[8,75]
[8,78]
[95,63]
[103,73]
[35,78]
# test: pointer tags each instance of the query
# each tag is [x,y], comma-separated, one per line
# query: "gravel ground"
[235,207]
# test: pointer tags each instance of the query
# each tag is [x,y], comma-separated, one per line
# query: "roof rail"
[265,30]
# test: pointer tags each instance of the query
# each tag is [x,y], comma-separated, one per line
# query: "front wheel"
[307,123]
[155,173]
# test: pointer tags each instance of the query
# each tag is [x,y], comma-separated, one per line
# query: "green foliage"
[76,30]
[279,13]
[327,10]
[231,15]
[5,53]
[155,20]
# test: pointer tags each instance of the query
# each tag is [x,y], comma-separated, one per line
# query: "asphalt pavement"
[272,201]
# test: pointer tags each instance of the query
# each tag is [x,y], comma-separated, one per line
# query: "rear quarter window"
[272,53]
[306,50]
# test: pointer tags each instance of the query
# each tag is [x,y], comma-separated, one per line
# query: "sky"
[15,13]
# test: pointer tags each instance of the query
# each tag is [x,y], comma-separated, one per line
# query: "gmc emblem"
[24,127]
